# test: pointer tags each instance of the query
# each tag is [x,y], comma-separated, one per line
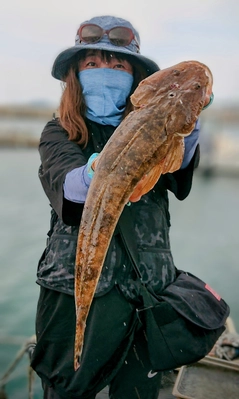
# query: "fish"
[149,142]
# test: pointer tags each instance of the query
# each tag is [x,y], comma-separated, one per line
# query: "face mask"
[105,91]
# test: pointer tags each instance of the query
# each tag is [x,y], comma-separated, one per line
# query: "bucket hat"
[63,61]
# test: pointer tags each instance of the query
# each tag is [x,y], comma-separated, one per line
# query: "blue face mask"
[105,91]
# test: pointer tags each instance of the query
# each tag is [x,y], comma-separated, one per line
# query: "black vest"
[150,216]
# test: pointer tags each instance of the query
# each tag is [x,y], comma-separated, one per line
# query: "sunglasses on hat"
[119,35]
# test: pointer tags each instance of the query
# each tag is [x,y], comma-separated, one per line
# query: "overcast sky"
[34,32]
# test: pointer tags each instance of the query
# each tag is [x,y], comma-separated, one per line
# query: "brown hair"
[72,105]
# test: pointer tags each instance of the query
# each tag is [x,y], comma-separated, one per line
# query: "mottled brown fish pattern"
[147,143]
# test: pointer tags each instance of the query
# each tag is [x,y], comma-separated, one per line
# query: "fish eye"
[171,94]
[197,85]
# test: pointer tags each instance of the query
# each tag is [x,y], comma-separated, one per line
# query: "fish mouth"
[182,134]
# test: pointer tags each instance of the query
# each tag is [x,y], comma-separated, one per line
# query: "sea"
[204,240]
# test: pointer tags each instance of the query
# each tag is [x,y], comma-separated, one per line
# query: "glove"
[91,164]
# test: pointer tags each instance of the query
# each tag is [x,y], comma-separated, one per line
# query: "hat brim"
[64,59]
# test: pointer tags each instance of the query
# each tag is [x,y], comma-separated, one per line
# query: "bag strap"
[127,233]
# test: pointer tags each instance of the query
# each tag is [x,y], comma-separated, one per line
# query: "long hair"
[72,106]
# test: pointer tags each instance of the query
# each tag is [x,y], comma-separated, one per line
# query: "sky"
[33,33]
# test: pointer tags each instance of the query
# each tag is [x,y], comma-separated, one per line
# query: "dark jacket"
[150,216]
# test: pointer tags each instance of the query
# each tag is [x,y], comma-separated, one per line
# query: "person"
[99,73]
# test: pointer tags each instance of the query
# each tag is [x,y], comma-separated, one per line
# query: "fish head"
[180,93]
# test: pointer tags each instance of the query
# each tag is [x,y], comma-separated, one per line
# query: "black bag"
[184,322]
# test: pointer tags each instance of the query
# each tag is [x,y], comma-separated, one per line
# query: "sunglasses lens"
[91,33]
[120,36]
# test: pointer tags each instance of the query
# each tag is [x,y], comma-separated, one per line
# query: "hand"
[91,164]
[209,94]
[94,163]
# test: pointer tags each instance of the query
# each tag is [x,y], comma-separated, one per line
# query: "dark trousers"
[115,350]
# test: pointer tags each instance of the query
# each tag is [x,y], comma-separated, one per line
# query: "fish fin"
[147,182]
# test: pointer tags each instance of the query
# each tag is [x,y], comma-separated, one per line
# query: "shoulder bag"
[183,323]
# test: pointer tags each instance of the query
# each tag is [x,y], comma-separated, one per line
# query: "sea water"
[204,240]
